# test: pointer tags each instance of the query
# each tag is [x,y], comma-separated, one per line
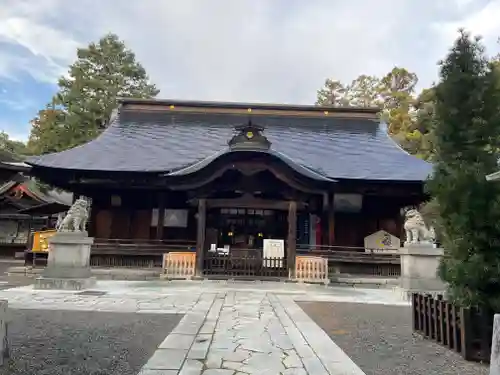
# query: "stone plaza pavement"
[229,328]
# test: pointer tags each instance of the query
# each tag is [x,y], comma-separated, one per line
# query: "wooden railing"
[13,241]
[134,253]
[179,265]
[465,331]
[241,262]
[355,260]
[251,266]
[311,269]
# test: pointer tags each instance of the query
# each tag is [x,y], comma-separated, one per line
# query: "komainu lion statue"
[76,218]
[416,230]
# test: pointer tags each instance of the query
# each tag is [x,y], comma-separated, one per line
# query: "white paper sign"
[175,218]
[274,249]
[171,218]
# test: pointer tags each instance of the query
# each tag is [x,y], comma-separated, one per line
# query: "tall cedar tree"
[408,119]
[103,72]
[467,108]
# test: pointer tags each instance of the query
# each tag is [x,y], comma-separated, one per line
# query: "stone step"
[364,281]
[99,273]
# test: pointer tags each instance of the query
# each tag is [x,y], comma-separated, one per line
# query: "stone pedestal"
[419,266]
[68,265]
[495,347]
[4,343]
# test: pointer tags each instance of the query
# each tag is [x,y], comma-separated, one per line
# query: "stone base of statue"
[495,347]
[68,265]
[4,341]
[419,267]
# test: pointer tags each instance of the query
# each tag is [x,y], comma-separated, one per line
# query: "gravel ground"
[379,340]
[47,342]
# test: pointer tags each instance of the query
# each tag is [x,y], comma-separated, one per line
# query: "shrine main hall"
[210,175]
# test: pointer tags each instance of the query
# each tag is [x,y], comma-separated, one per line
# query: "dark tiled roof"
[162,141]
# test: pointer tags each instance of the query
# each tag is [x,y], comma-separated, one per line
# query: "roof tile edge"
[169,105]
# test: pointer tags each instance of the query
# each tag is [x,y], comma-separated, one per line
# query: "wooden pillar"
[324,220]
[292,238]
[161,216]
[92,225]
[331,221]
[200,236]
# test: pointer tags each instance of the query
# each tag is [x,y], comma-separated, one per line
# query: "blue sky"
[245,50]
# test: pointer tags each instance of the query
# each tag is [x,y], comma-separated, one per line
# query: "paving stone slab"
[257,317]
[295,371]
[232,365]
[192,367]
[292,360]
[177,341]
[166,359]
[218,372]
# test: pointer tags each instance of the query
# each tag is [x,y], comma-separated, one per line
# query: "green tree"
[397,91]
[333,93]
[394,94]
[364,91]
[417,137]
[467,124]
[103,72]
[17,149]
[48,132]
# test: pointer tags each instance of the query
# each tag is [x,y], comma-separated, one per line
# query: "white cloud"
[15,132]
[37,47]
[254,50]
[482,21]
[38,39]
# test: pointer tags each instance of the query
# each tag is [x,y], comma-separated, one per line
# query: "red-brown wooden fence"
[466,331]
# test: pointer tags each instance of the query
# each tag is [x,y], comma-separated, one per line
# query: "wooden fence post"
[465,315]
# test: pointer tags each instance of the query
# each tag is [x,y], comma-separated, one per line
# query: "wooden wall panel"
[140,225]
[389,225]
[103,219]
[371,226]
[349,229]
[120,225]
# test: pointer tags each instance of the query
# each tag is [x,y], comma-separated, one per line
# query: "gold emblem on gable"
[249,135]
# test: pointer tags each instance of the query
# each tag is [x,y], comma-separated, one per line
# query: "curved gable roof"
[168,141]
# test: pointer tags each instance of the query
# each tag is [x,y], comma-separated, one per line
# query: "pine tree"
[103,72]
[467,108]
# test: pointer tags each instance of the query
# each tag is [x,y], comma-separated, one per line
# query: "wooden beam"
[92,225]
[256,109]
[248,201]
[246,166]
[247,185]
[331,221]
[200,236]
[324,219]
[161,216]
[292,238]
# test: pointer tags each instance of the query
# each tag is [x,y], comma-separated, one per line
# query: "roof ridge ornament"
[249,137]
